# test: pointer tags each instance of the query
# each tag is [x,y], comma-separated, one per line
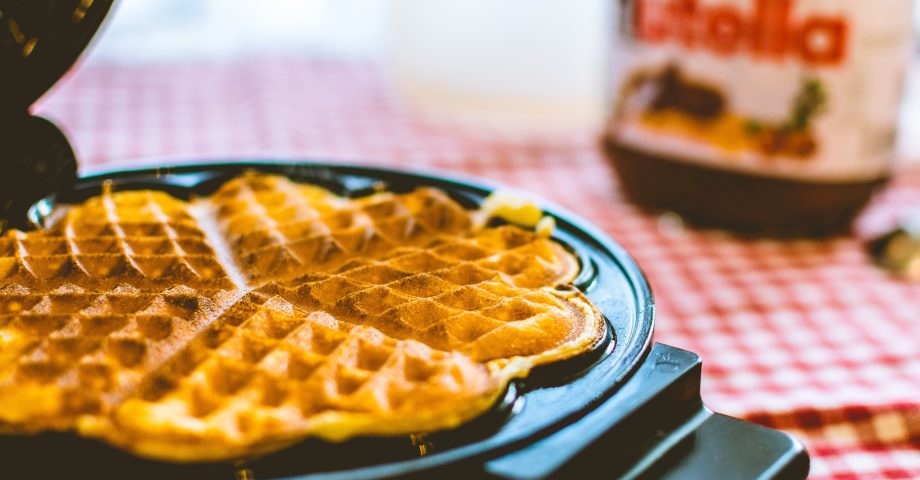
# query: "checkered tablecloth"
[804,336]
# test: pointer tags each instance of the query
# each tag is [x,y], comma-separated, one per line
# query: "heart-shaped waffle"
[237,323]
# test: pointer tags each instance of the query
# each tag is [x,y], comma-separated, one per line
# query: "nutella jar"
[767,116]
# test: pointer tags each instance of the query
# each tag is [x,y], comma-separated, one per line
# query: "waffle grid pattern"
[262,370]
[145,238]
[478,296]
[208,371]
[277,228]
[82,351]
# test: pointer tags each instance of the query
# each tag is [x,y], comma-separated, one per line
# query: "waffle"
[70,352]
[235,324]
[279,229]
[145,239]
[479,295]
[264,375]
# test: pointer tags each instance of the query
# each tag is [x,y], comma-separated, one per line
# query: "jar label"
[804,89]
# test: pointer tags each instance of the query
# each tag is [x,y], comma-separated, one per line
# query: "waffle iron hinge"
[657,426]
[36,160]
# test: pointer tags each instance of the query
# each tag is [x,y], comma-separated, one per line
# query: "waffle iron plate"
[542,427]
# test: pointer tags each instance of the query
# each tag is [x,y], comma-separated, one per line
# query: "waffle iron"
[627,408]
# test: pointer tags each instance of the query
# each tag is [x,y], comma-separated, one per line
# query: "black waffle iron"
[627,408]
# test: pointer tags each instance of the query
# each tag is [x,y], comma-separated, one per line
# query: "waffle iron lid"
[39,41]
[550,398]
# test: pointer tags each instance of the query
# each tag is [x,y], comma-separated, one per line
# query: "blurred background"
[447,60]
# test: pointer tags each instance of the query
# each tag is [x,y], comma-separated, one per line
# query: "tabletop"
[804,336]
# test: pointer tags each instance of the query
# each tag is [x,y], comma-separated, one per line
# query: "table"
[803,336]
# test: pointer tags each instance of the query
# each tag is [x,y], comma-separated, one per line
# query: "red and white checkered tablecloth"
[804,336]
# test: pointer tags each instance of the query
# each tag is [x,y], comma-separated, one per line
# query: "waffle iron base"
[627,409]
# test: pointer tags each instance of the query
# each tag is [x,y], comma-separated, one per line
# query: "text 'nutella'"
[785,109]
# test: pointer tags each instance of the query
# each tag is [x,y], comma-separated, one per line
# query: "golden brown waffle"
[279,229]
[145,239]
[270,311]
[264,375]
[70,352]
[479,295]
